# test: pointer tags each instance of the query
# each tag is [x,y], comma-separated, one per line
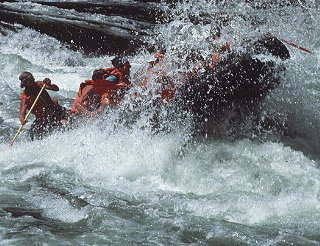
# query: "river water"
[104,183]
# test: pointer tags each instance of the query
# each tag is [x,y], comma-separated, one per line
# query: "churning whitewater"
[120,180]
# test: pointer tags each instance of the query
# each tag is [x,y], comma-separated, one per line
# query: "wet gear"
[45,105]
[102,87]
[91,103]
[48,112]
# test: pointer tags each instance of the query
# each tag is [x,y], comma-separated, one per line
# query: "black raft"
[241,79]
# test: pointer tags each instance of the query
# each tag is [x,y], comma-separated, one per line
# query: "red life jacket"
[79,94]
[102,86]
[168,89]
[44,106]
[168,93]
[216,57]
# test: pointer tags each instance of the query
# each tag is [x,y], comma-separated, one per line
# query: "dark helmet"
[25,76]
[119,61]
[98,74]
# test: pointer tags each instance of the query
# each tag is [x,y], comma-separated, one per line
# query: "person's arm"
[49,86]
[104,103]
[225,46]
[108,70]
[144,82]
[159,69]
[122,80]
[121,85]
[23,109]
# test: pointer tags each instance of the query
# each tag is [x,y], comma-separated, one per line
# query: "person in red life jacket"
[157,71]
[87,100]
[158,67]
[120,72]
[95,94]
[48,113]
[215,56]
[195,62]
[118,80]
[217,49]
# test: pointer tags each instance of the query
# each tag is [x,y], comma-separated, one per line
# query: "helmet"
[24,76]
[119,61]
[98,74]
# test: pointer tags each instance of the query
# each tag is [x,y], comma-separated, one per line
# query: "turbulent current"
[115,180]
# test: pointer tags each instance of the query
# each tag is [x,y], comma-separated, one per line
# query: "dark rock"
[119,27]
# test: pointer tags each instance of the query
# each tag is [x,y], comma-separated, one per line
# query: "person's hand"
[47,81]
[122,86]
[105,100]
[93,114]
[23,122]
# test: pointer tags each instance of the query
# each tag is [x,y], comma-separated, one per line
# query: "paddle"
[292,44]
[27,116]
[296,46]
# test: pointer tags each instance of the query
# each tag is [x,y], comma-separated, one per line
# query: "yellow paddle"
[27,116]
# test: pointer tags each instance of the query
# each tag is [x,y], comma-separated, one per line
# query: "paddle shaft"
[27,116]
[296,46]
